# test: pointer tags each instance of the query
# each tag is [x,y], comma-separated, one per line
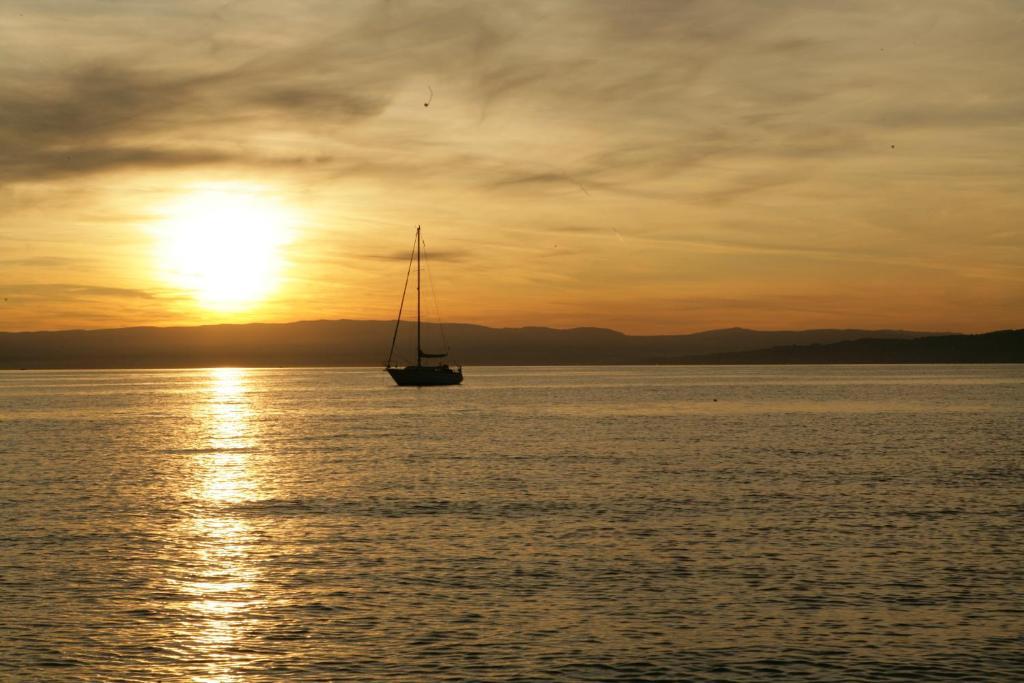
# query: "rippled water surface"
[717,523]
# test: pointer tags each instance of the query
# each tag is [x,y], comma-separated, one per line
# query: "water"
[713,523]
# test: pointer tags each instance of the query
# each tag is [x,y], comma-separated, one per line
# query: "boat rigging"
[419,375]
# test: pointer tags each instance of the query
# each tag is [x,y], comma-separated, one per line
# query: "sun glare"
[224,245]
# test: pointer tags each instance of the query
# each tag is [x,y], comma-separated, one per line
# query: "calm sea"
[535,524]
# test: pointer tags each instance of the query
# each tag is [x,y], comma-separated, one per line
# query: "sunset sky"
[653,167]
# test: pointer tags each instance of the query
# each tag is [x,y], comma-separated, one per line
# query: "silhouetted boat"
[419,375]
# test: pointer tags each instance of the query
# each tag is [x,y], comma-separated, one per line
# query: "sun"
[223,244]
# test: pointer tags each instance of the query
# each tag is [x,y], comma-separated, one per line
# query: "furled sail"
[420,375]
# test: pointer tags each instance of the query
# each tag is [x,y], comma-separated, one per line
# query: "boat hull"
[425,376]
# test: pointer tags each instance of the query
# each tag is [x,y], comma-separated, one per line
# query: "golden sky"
[653,167]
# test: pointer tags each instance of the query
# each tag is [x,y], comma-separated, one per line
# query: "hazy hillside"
[365,342]
[1006,346]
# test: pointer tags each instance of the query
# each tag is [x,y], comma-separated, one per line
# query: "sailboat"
[419,375]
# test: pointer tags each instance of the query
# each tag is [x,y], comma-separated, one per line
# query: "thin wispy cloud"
[65,291]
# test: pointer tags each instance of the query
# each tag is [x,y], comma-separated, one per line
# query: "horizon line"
[510,327]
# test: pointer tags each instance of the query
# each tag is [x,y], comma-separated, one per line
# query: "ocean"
[818,523]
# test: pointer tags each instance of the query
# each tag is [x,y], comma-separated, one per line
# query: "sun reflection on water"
[221,585]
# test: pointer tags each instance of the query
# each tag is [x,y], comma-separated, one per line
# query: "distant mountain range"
[365,342]
[1005,346]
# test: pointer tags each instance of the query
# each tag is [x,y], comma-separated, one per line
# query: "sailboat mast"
[420,375]
[419,348]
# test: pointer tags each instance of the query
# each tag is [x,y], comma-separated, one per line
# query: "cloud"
[66,292]
[449,255]
[77,161]
[43,261]
[540,181]
[667,86]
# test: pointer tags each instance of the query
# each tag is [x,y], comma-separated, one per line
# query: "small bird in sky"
[430,98]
